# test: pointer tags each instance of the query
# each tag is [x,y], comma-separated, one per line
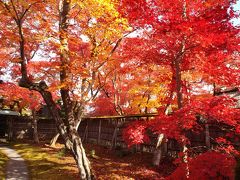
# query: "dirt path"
[16,166]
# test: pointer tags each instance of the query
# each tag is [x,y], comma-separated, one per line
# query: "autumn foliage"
[218,111]
[116,57]
[17,98]
[198,45]
[206,166]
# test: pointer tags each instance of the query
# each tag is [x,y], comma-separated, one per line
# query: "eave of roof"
[124,116]
[9,113]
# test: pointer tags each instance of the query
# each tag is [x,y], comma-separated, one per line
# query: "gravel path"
[16,166]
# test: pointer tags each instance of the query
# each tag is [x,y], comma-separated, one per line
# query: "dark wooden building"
[6,123]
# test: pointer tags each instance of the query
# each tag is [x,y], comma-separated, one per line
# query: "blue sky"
[236,21]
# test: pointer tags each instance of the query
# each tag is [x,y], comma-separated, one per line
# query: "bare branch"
[14,9]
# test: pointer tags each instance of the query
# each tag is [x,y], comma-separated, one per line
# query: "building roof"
[9,113]
[227,90]
[123,116]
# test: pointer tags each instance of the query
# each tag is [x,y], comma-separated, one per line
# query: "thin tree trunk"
[157,155]
[179,88]
[35,129]
[178,83]
[207,135]
[54,140]
[185,160]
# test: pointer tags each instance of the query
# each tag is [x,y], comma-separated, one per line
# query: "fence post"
[10,128]
[114,135]
[35,127]
[99,131]
[85,135]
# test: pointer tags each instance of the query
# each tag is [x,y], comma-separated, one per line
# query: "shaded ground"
[119,165]
[52,163]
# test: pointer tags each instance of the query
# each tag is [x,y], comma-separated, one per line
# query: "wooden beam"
[120,117]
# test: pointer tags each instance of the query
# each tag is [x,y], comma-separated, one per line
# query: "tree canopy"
[124,57]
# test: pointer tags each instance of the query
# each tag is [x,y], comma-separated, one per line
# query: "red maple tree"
[196,41]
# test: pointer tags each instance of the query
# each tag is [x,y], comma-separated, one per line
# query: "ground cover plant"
[3,163]
[45,162]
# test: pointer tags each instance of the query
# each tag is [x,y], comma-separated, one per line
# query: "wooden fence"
[105,131]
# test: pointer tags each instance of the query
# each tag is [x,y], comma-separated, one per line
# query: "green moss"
[45,164]
[3,162]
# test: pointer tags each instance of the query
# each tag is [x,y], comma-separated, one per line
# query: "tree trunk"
[35,130]
[65,76]
[177,65]
[178,83]
[185,160]
[207,135]
[65,126]
[71,138]
[54,140]
[80,156]
[158,151]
